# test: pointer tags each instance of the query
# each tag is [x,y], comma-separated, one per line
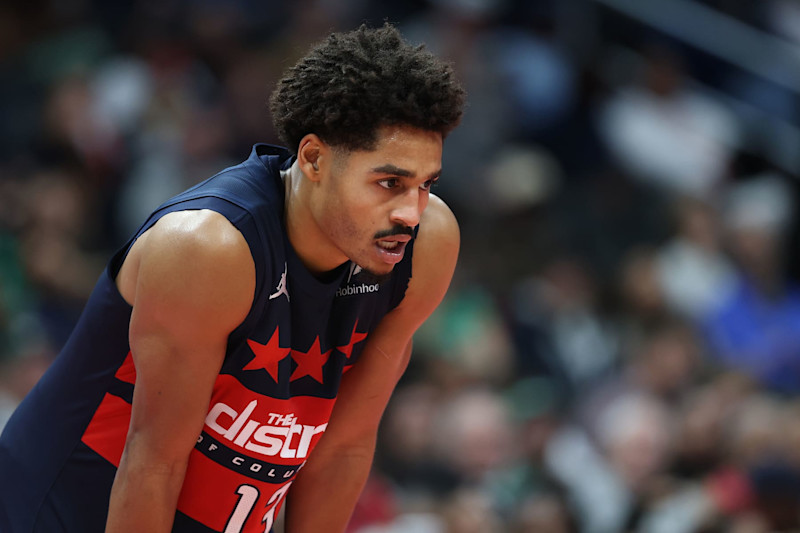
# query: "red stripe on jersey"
[127,372]
[254,425]
[108,429]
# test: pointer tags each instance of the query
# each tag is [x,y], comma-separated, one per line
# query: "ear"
[314,156]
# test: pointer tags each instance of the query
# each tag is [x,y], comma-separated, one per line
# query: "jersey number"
[248,496]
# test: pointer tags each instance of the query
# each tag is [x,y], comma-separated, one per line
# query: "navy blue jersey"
[270,403]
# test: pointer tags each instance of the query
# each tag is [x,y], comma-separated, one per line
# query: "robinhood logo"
[350,290]
[363,288]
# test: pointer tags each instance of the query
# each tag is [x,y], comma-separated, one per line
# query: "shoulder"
[439,224]
[435,254]
[198,253]
[196,238]
[200,231]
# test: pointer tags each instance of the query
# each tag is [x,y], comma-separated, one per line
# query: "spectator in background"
[614,478]
[559,329]
[643,301]
[407,457]
[663,363]
[746,481]
[474,435]
[667,134]
[53,252]
[525,492]
[467,343]
[692,268]
[754,330]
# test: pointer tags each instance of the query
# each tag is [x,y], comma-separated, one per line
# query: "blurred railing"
[720,35]
[740,44]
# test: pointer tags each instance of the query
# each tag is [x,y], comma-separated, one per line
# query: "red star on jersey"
[267,356]
[355,338]
[310,363]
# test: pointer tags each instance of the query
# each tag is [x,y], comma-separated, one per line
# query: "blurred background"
[620,348]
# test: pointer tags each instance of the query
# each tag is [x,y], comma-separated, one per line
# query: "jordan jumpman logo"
[281,289]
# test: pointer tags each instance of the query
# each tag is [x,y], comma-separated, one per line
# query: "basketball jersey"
[270,403]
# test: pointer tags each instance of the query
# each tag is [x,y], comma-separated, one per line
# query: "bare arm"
[190,280]
[326,489]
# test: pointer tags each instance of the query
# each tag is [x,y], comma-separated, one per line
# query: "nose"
[408,209]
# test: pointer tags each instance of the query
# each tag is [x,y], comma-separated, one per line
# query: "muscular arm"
[190,280]
[326,489]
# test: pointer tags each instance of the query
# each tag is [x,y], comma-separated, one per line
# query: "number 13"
[248,496]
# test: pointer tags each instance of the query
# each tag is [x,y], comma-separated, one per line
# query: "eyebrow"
[401,172]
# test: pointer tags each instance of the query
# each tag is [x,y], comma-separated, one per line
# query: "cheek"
[358,212]
[336,209]
[351,216]
[345,223]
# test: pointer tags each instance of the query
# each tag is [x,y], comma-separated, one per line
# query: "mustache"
[395,230]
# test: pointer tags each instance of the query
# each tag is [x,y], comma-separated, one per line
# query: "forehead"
[418,151]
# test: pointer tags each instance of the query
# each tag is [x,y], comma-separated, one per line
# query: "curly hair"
[353,83]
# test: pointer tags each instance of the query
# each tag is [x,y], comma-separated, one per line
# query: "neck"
[310,244]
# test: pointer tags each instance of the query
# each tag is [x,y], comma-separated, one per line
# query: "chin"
[371,276]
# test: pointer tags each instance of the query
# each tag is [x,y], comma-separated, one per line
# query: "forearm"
[327,488]
[144,498]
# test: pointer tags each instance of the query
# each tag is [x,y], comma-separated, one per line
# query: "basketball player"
[241,348]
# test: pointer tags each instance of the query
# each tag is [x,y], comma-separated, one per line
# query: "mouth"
[391,249]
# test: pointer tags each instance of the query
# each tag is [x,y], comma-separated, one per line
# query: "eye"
[389,183]
[428,185]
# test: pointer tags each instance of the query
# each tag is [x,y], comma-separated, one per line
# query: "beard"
[370,277]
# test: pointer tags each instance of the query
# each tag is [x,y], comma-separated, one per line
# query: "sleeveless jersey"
[270,403]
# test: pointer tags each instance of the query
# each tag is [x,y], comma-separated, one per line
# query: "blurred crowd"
[620,348]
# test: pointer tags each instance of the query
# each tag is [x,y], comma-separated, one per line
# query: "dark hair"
[353,83]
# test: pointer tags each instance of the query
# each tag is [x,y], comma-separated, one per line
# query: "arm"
[190,279]
[326,489]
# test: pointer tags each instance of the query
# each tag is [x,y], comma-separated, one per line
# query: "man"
[250,315]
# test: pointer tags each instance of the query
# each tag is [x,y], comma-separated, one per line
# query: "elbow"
[358,448]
